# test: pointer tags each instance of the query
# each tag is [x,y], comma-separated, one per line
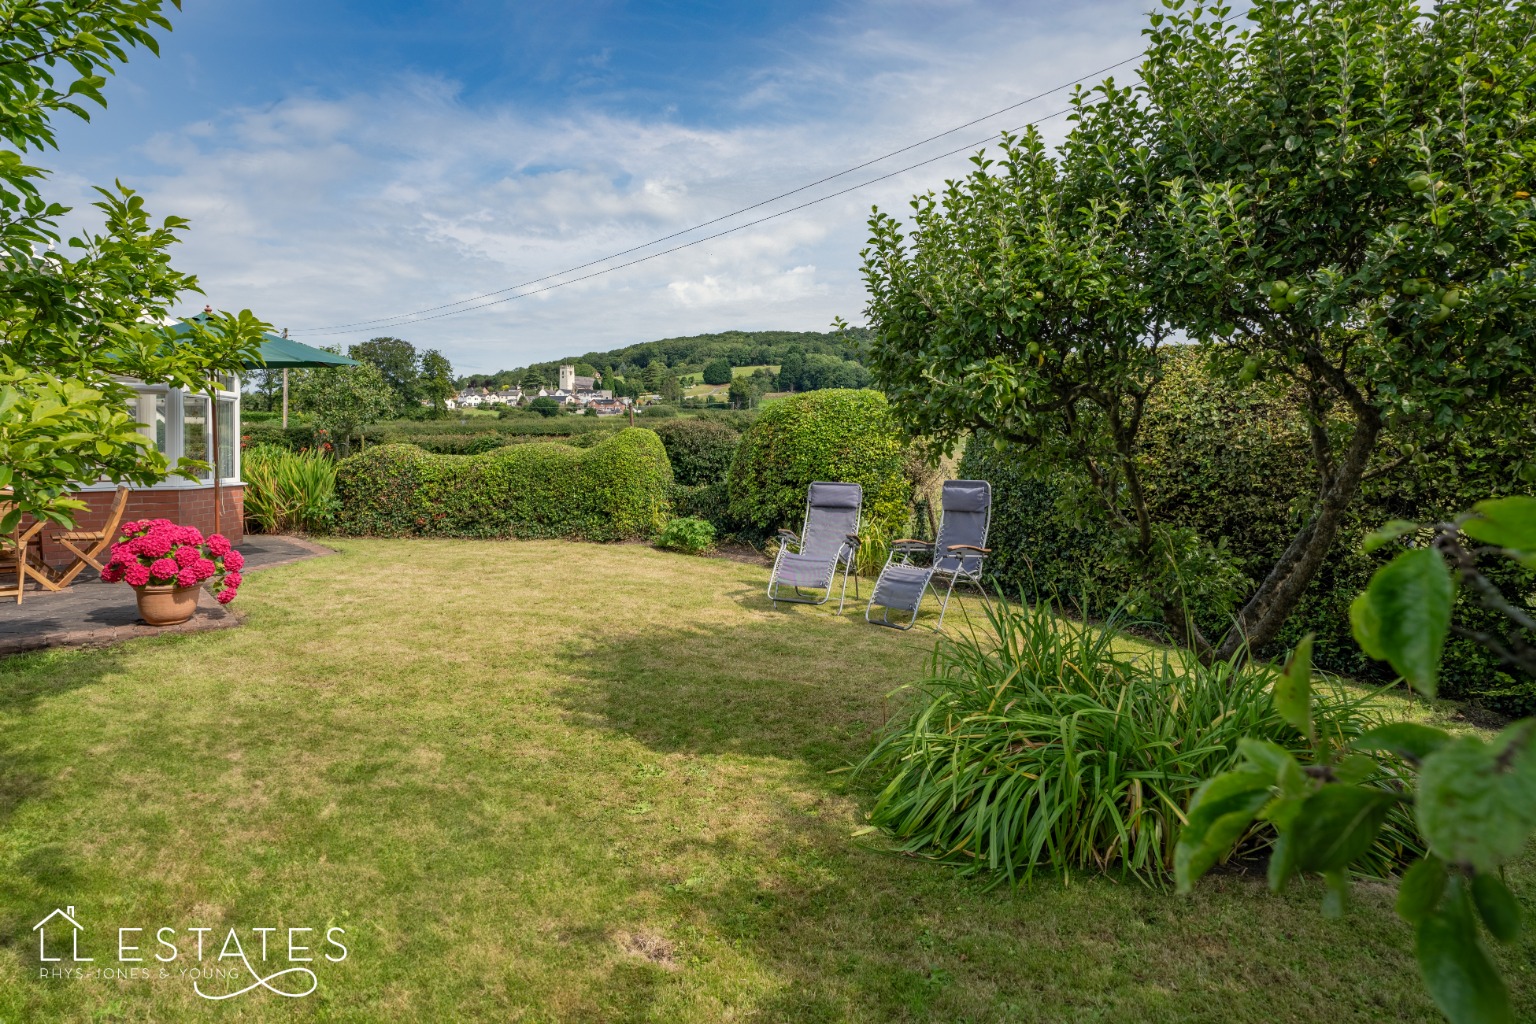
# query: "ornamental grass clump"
[1040,742]
[289,492]
[159,553]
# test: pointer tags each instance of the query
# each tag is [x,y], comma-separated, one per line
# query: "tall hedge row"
[614,490]
[1235,465]
[839,434]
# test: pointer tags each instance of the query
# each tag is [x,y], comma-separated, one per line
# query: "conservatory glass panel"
[194,429]
[226,438]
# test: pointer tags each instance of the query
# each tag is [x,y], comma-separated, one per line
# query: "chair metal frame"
[844,558]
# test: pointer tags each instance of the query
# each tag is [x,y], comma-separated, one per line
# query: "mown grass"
[560,782]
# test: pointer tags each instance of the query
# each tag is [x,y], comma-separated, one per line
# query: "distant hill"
[682,356]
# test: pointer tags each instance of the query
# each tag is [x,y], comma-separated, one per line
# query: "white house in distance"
[572,390]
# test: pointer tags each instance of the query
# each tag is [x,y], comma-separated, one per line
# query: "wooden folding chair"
[15,547]
[85,545]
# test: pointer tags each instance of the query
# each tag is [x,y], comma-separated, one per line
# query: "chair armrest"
[853,539]
[789,536]
[969,547]
[911,544]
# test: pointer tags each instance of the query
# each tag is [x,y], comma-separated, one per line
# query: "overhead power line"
[500,295]
[683,245]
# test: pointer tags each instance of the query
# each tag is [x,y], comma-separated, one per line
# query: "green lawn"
[556,782]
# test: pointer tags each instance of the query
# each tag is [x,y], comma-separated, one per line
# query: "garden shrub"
[700,450]
[710,502]
[287,492]
[1045,743]
[837,435]
[615,490]
[1226,462]
[686,533]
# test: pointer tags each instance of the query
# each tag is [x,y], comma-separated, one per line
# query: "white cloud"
[322,211]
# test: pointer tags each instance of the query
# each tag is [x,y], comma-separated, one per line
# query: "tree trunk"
[1260,620]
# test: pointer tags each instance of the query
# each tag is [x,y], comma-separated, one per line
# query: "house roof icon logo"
[68,914]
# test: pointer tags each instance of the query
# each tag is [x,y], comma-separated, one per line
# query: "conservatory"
[195,425]
[177,423]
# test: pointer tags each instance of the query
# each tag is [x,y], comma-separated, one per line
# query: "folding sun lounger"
[828,542]
[957,556]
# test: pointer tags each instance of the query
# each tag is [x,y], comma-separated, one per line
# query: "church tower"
[568,379]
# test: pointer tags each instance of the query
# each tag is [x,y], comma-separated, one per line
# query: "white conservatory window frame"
[176,400]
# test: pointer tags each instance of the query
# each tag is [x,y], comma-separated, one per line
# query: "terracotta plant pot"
[166,605]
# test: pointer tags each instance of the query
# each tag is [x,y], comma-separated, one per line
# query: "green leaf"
[1293,690]
[1420,890]
[1408,740]
[1336,898]
[1282,861]
[1505,522]
[1337,825]
[1477,801]
[1221,811]
[1456,967]
[1387,534]
[1496,906]
[1355,768]
[1404,614]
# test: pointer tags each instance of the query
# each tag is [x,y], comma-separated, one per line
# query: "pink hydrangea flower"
[225,596]
[205,568]
[187,555]
[163,569]
[187,577]
[233,579]
[136,575]
[112,573]
[155,544]
[234,560]
[218,545]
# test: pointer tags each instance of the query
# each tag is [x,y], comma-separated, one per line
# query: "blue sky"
[346,161]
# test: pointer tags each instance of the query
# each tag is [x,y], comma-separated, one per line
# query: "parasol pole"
[285,389]
[213,419]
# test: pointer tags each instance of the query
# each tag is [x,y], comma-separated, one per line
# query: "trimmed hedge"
[1229,462]
[437,435]
[700,450]
[615,490]
[710,502]
[838,434]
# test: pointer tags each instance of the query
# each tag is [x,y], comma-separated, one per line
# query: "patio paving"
[94,614]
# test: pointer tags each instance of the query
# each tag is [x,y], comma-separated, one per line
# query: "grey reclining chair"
[828,542]
[956,556]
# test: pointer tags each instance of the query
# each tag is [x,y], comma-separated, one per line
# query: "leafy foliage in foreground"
[77,315]
[1475,802]
[1038,744]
